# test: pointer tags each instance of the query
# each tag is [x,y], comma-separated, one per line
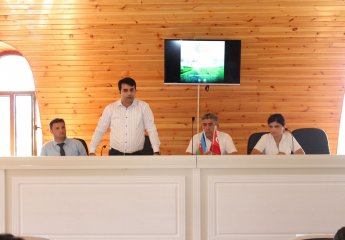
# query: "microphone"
[104,146]
[193,119]
[292,145]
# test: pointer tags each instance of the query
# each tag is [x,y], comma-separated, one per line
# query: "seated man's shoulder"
[74,141]
[223,134]
[49,143]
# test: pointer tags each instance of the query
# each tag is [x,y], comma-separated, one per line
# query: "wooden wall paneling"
[292,61]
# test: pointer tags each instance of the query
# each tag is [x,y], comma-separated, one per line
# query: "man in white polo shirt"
[211,141]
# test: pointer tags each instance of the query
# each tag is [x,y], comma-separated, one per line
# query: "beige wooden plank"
[292,61]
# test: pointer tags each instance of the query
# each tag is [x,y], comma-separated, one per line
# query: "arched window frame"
[19,121]
[14,119]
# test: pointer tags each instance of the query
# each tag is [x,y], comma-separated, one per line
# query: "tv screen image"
[202,61]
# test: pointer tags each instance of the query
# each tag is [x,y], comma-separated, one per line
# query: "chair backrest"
[84,144]
[252,140]
[312,140]
[147,150]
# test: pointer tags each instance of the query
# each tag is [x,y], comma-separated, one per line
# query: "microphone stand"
[193,119]
[292,137]
[293,145]
[104,146]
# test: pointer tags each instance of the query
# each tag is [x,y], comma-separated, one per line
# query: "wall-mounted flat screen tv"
[207,62]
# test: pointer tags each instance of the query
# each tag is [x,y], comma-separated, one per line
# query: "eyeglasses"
[209,124]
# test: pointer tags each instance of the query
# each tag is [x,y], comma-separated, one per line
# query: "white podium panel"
[172,197]
[273,207]
[116,207]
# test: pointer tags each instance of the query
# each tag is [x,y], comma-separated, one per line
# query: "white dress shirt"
[267,144]
[226,144]
[72,147]
[127,127]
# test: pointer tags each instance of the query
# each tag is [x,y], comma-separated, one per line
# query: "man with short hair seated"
[61,145]
[211,141]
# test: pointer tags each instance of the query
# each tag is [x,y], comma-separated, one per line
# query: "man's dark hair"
[210,116]
[127,80]
[277,117]
[56,120]
[7,236]
[340,235]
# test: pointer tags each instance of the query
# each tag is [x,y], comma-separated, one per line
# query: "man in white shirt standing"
[128,118]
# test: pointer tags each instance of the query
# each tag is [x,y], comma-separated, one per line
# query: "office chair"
[252,140]
[84,144]
[147,150]
[312,140]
